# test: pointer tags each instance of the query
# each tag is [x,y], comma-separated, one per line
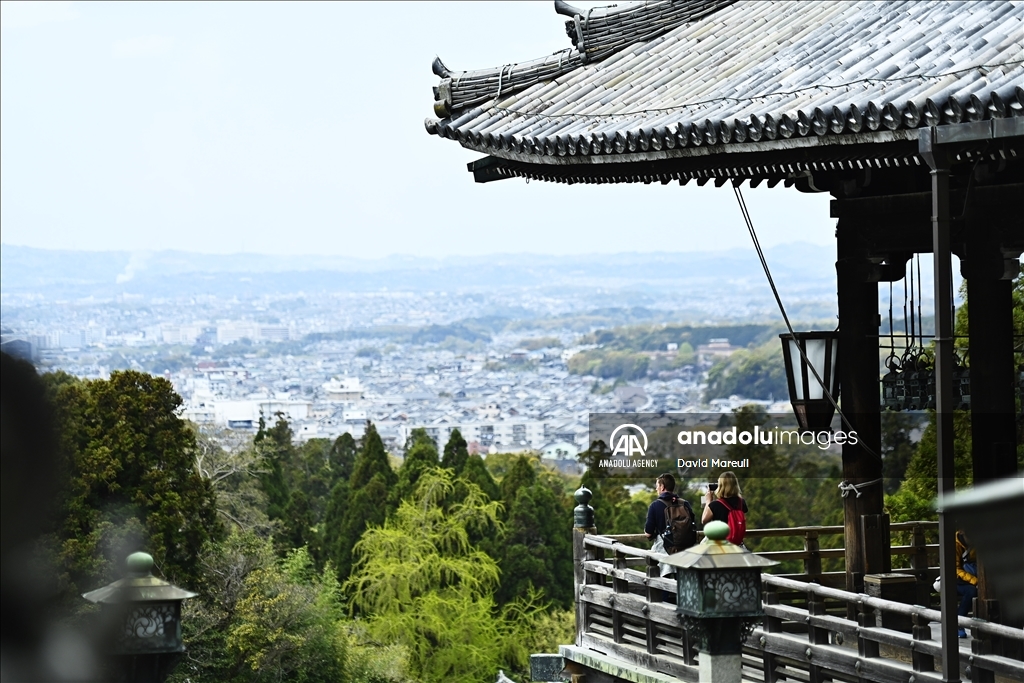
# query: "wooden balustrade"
[627,611]
[922,557]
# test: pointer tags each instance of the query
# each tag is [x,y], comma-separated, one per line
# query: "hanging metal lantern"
[891,400]
[961,384]
[821,349]
[902,397]
[929,387]
[917,384]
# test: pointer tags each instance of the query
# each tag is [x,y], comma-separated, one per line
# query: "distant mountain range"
[806,271]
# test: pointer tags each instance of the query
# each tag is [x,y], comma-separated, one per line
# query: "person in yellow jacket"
[966,576]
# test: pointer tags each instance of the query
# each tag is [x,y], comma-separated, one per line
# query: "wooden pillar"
[859,395]
[990,321]
[990,318]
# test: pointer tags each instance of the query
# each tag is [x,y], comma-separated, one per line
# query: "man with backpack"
[670,522]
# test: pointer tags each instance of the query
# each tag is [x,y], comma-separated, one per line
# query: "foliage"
[535,552]
[475,472]
[657,337]
[455,452]
[275,449]
[608,363]
[422,585]
[263,618]
[132,482]
[538,343]
[420,456]
[897,446]
[913,500]
[235,479]
[359,503]
[753,373]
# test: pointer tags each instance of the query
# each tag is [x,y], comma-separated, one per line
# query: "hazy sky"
[298,128]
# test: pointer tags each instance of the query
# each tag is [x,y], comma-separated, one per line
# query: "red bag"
[737,521]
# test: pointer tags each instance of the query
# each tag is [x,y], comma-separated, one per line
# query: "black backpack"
[680,527]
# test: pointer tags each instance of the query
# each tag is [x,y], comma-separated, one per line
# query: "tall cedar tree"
[275,446]
[367,500]
[536,551]
[132,481]
[455,453]
[475,472]
[420,456]
[342,460]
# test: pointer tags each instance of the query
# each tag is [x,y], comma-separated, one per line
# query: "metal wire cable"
[782,309]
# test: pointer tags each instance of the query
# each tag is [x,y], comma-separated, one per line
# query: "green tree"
[263,618]
[897,447]
[132,480]
[753,373]
[367,500]
[913,501]
[455,452]
[607,364]
[475,472]
[420,456]
[536,548]
[423,585]
[277,452]
[342,458]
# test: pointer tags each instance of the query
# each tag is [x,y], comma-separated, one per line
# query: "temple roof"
[674,79]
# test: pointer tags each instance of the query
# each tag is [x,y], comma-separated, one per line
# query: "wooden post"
[812,565]
[866,618]
[919,563]
[583,524]
[815,635]
[922,630]
[877,542]
[771,625]
[859,391]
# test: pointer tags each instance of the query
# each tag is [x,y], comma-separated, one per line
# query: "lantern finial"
[716,531]
[139,563]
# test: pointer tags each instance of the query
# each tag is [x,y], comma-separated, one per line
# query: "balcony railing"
[812,629]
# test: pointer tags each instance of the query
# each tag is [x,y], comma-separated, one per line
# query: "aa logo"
[629,441]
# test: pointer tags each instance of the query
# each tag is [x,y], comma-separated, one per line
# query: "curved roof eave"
[776,75]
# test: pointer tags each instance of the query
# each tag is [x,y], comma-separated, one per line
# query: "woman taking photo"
[726,504]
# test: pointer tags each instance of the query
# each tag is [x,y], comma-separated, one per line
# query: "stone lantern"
[719,599]
[145,612]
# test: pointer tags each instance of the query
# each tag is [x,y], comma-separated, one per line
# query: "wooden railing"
[625,610]
[889,641]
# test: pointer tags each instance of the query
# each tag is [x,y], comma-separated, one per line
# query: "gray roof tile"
[746,71]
